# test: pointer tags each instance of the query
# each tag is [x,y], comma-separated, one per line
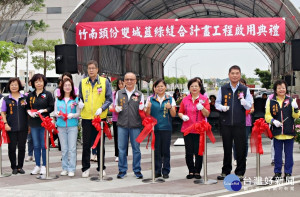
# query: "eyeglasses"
[94,68]
[130,79]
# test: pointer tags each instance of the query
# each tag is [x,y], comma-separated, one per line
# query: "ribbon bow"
[96,122]
[260,127]
[48,125]
[3,135]
[201,128]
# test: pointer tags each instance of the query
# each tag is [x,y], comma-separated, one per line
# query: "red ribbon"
[3,135]
[96,122]
[201,128]
[64,116]
[259,127]
[48,125]
[112,109]
[148,123]
[248,112]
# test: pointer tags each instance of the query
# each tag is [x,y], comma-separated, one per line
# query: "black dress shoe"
[21,171]
[15,171]
[165,176]
[157,175]
[221,177]
[287,176]
[197,176]
[276,176]
[190,176]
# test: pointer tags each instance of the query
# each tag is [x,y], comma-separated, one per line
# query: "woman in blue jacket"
[162,107]
[67,113]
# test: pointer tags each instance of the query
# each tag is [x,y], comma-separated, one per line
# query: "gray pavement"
[176,185]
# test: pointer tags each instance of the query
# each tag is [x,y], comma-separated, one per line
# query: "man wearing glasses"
[95,97]
[128,103]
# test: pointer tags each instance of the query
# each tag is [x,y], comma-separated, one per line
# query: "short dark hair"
[13,80]
[62,92]
[191,81]
[67,74]
[277,83]
[158,81]
[92,62]
[36,77]
[202,90]
[243,81]
[213,97]
[234,67]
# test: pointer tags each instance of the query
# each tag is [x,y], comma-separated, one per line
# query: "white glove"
[141,106]
[199,106]
[31,114]
[294,104]
[98,112]
[225,108]
[185,118]
[70,116]
[80,104]
[243,102]
[277,123]
[41,111]
[118,108]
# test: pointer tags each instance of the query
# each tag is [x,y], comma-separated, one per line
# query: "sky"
[212,60]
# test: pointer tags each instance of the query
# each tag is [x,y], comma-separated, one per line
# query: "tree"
[182,80]
[44,46]
[264,76]
[18,53]
[14,10]
[5,53]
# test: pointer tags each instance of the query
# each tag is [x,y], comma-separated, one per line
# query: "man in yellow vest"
[95,97]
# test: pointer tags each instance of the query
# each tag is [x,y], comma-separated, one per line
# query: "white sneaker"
[234,162]
[35,170]
[28,158]
[86,174]
[116,159]
[43,170]
[64,173]
[94,158]
[104,173]
[71,173]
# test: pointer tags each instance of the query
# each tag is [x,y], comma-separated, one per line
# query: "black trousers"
[238,135]
[115,127]
[17,138]
[191,143]
[89,134]
[162,151]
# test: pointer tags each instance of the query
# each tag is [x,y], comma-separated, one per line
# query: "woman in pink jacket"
[193,108]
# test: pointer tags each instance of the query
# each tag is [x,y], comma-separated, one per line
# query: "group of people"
[21,115]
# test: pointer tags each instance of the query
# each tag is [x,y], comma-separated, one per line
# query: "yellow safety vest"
[93,98]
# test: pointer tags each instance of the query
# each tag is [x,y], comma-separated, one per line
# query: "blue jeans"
[287,146]
[68,140]
[123,134]
[248,131]
[39,144]
[30,144]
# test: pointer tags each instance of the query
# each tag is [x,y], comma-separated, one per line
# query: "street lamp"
[191,68]
[26,88]
[176,67]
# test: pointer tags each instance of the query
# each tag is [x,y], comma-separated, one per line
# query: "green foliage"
[182,80]
[297,137]
[144,91]
[169,80]
[264,76]
[18,53]
[44,46]
[6,49]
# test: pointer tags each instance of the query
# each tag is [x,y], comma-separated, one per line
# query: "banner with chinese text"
[269,30]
